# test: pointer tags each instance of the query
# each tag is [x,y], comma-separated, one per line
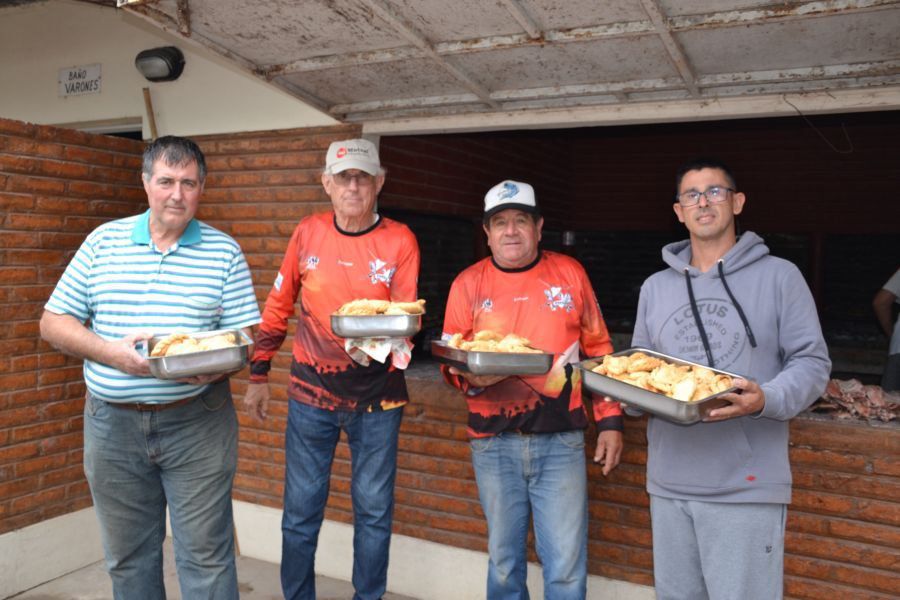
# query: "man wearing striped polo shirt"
[150,443]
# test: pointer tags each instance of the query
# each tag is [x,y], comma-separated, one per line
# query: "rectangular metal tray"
[657,404]
[361,326]
[206,362]
[491,363]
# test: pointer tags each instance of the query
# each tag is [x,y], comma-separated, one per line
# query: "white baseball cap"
[510,194]
[352,154]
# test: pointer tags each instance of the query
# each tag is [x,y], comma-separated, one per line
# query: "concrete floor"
[257,580]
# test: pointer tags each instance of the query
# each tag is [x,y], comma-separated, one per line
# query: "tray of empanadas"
[492,353]
[378,318]
[181,355]
[678,390]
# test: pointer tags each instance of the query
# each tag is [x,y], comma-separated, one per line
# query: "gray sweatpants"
[717,551]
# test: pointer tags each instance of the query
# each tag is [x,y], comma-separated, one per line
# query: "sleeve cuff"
[259,371]
[616,423]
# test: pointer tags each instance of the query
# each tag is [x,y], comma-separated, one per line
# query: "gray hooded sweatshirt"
[759,321]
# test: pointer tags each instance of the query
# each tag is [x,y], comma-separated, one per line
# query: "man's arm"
[882,304]
[806,366]
[68,335]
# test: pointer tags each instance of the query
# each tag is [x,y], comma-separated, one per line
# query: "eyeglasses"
[344,178]
[714,195]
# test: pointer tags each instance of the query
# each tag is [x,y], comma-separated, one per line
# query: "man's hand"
[479,381]
[749,401]
[609,450]
[256,401]
[121,355]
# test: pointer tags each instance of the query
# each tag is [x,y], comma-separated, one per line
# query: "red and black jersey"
[552,304]
[328,267]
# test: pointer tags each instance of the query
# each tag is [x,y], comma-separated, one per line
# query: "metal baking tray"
[206,362]
[361,326]
[660,405]
[492,363]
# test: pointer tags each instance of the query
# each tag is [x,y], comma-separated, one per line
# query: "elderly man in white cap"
[527,431]
[332,258]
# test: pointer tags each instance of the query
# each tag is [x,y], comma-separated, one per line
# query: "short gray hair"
[175,151]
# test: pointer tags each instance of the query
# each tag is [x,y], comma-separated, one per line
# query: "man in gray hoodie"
[719,489]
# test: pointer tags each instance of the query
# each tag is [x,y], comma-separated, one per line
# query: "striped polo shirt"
[120,282]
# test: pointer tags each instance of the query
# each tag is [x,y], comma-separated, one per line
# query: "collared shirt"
[120,282]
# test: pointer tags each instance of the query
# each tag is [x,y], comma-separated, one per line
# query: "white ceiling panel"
[370,60]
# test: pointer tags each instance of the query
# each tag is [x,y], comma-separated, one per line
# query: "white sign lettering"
[75,81]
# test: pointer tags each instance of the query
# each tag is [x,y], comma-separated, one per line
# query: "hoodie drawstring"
[696,312]
[700,328]
[734,301]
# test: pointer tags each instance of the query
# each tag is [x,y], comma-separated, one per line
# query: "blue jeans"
[543,476]
[136,463]
[312,435]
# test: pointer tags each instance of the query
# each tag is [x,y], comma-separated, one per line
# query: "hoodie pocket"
[703,456]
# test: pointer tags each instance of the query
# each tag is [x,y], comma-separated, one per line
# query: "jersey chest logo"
[558,300]
[487,305]
[312,263]
[379,272]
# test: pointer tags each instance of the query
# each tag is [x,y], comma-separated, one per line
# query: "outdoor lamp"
[160,64]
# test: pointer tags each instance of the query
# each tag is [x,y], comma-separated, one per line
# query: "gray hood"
[748,249]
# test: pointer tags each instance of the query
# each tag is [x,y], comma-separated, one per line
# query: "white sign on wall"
[76,81]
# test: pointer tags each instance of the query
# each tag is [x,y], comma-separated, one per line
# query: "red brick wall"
[844,530]
[55,186]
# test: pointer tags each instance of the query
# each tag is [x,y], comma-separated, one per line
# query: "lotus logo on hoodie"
[723,327]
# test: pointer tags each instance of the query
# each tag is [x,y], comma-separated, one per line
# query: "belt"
[146,407]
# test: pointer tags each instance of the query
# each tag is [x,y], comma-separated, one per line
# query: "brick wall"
[843,530]
[55,187]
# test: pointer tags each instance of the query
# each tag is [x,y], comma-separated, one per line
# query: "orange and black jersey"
[551,303]
[328,267]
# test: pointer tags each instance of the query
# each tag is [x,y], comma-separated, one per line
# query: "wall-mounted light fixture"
[160,64]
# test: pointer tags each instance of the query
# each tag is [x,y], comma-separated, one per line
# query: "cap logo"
[342,152]
[510,190]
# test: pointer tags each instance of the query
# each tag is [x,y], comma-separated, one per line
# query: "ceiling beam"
[823,73]
[776,13]
[523,18]
[407,31]
[687,110]
[673,48]
[183,17]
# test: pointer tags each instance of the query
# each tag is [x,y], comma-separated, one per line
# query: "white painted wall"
[418,568]
[38,553]
[211,96]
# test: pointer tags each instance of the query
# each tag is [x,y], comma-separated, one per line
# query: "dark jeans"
[312,435]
